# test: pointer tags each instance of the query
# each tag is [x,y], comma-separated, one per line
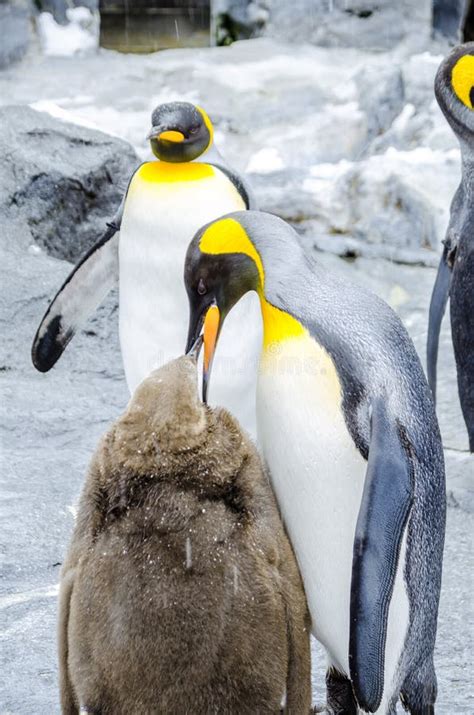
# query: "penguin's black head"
[220,267]
[454,90]
[180,132]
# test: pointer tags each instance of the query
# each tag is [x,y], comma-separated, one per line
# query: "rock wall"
[59,183]
[368,24]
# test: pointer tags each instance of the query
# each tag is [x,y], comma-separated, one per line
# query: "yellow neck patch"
[278,325]
[228,236]
[462,79]
[163,171]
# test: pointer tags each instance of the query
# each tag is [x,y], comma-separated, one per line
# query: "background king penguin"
[454,87]
[348,429]
[144,246]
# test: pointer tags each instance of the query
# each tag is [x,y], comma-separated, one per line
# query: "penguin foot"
[340,698]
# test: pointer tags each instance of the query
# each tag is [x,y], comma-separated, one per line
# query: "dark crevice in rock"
[363,14]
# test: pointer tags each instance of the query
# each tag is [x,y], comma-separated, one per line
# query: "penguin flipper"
[439,299]
[384,510]
[83,290]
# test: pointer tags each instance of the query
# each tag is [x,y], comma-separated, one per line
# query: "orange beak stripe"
[211,328]
[172,136]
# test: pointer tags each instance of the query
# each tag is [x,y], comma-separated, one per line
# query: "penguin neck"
[166,172]
[278,325]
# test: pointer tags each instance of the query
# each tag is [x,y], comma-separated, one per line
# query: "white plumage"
[159,220]
[318,477]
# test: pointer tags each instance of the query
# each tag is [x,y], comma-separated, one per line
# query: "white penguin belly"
[318,477]
[159,221]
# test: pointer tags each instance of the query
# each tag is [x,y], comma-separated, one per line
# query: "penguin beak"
[206,326]
[196,349]
[212,325]
[170,135]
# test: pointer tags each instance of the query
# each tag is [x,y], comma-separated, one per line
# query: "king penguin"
[348,428]
[167,200]
[454,89]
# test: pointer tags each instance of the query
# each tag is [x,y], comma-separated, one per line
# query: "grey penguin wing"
[83,290]
[439,300]
[385,507]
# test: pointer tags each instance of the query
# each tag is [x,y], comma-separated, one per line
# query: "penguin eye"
[194,130]
[201,287]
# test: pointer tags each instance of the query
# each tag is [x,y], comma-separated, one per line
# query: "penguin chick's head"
[180,132]
[166,407]
[222,264]
[454,90]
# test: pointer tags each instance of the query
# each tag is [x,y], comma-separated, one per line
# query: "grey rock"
[282,193]
[15,30]
[237,20]
[448,16]
[59,181]
[369,24]
[381,96]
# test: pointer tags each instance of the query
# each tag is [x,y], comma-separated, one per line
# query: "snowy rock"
[381,96]
[391,205]
[237,19]
[59,8]
[14,31]
[397,198]
[369,24]
[80,33]
[348,141]
[59,182]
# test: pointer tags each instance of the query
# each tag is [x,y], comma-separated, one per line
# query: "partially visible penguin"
[180,592]
[454,88]
[166,202]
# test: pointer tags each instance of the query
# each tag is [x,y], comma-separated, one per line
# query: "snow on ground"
[350,159]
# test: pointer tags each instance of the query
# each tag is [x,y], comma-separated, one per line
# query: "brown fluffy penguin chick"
[180,593]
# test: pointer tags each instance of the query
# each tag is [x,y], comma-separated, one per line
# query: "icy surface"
[296,118]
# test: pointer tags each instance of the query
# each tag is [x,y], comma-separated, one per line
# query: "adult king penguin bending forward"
[348,428]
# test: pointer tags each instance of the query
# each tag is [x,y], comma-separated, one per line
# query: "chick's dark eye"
[201,287]
[194,130]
